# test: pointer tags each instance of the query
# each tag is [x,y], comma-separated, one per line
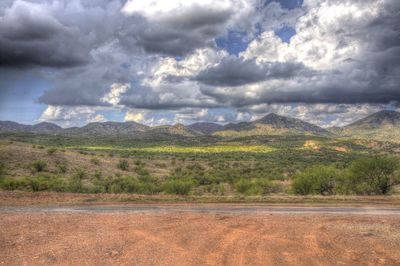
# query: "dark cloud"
[176,35]
[234,71]
[31,35]
[83,47]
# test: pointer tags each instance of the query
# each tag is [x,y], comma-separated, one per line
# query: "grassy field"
[254,167]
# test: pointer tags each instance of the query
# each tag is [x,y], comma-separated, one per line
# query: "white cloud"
[71,116]
[114,95]
[135,116]
[159,9]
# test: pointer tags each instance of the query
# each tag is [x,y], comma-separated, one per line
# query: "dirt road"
[204,208]
[198,235]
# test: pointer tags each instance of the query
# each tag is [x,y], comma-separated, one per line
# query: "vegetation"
[316,180]
[2,169]
[374,176]
[365,176]
[39,166]
[256,166]
[123,165]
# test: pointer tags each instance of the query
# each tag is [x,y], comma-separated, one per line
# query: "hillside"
[107,129]
[205,127]
[41,128]
[383,126]
[272,124]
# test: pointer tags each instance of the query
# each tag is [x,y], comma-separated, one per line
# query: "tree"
[374,175]
[316,180]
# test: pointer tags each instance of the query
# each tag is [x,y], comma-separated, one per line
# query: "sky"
[328,62]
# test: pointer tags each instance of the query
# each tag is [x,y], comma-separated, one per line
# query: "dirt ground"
[197,239]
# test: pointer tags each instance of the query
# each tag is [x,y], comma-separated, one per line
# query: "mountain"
[205,127]
[107,129]
[9,126]
[104,129]
[41,128]
[383,125]
[46,128]
[177,130]
[272,124]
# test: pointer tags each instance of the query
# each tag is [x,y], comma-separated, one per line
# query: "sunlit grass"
[183,149]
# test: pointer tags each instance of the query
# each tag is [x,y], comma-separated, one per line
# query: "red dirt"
[197,239]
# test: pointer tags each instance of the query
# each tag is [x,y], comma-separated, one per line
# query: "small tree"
[375,175]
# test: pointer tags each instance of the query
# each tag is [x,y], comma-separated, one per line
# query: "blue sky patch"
[285,33]
[234,42]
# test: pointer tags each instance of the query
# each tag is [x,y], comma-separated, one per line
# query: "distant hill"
[107,129]
[41,128]
[383,126]
[272,124]
[177,130]
[205,127]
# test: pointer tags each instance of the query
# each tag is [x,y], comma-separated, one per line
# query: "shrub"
[14,184]
[62,168]
[140,170]
[243,186]
[266,186]
[180,187]
[123,185]
[39,166]
[95,161]
[2,169]
[80,174]
[316,180]
[75,185]
[35,183]
[39,183]
[51,151]
[375,175]
[123,165]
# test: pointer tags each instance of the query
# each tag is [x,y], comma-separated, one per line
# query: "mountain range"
[383,125]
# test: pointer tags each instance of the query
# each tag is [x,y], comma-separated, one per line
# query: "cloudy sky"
[71,62]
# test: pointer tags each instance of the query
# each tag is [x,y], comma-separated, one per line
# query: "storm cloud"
[233,71]
[167,55]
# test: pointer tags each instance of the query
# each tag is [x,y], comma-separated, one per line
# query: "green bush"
[14,184]
[244,186]
[39,166]
[123,165]
[180,187]
[123,185]
[35,183]
[316,180]
[373,176]
[75,185]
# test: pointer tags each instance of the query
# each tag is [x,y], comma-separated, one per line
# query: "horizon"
[183,62]
[199,122]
